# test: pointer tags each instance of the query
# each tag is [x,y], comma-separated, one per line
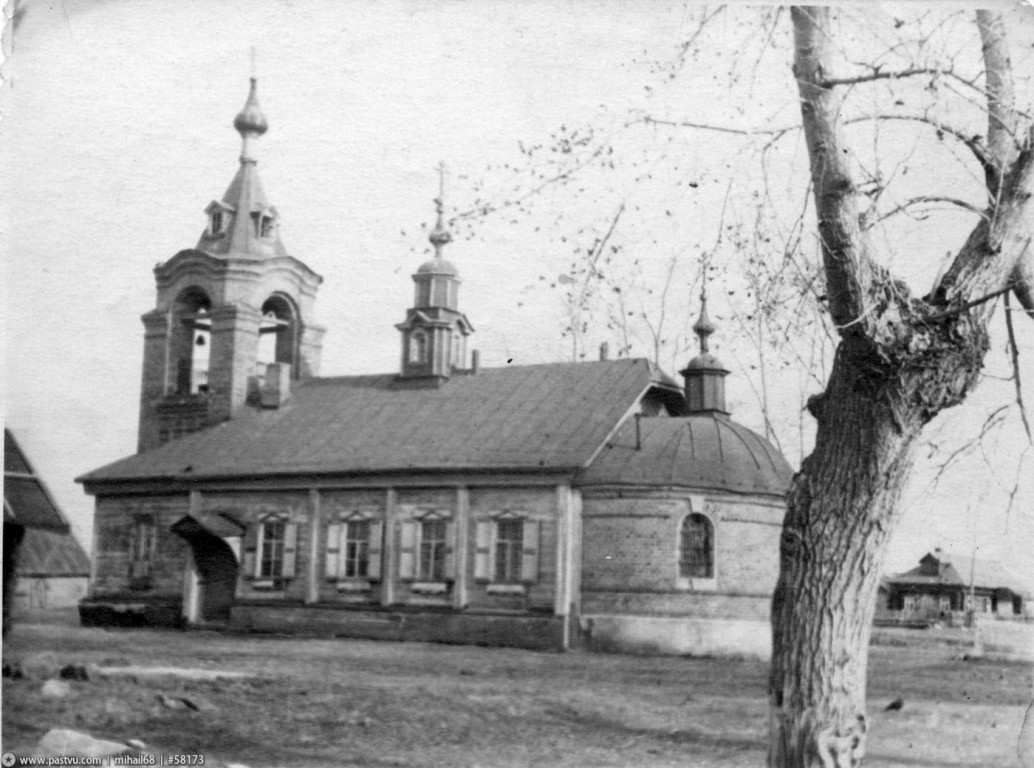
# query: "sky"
[117,132]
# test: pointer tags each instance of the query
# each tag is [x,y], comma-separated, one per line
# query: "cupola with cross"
[705,374]
[233,314]
[434,333]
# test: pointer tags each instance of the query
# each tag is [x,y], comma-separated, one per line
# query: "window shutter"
[249,564]
[290,547]
[133,546]
[373,567]
[450,550]
[407,550]
[483,553]
[333,550]
[530,552]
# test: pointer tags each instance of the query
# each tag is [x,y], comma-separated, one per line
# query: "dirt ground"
[319,702]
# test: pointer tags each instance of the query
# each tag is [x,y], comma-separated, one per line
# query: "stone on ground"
[64,742]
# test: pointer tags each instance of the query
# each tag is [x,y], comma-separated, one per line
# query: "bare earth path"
[318,702]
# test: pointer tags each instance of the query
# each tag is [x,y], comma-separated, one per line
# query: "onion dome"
[250,119]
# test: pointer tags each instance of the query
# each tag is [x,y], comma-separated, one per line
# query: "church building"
[592,504]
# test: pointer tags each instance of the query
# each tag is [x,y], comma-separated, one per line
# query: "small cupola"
[434,334]
[705,374]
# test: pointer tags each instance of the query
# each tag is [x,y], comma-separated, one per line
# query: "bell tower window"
[215,225]
[418,347]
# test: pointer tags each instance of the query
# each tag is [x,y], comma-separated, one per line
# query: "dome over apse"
[702,451]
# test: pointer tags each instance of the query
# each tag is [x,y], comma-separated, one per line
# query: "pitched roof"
[705,451]
[518,418]
[26,500]
[50,553]
[956,570]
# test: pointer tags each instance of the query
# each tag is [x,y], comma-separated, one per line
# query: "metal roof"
[706,451]
[50,553]
[517,418]
[26,500]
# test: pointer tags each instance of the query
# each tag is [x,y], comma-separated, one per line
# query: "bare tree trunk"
[901,361]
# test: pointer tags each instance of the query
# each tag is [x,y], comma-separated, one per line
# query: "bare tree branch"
[877,74]
[922,200]
[974,143]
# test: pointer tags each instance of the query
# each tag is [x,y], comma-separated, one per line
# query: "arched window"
[418,347]
[696,550]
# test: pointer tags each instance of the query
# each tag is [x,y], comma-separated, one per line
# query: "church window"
[266,227]
[357,549]
[696,558]
[142,540]
[418,347]
[354,547]
[216,223]
[508,541]
[507,549]
[270,551]
[426,549]
[271,561]
[432,550]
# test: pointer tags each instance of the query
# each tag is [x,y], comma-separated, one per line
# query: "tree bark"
[901,360]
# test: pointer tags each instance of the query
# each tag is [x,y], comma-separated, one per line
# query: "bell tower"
[434,333]
[232,313]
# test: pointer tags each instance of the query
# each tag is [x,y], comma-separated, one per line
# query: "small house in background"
[946,588]
[48,566]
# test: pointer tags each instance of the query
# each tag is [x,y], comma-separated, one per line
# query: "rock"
[65,742]
[55,689]
[136,744]
[40,666]
[198,703]
[74,672]
[172,702]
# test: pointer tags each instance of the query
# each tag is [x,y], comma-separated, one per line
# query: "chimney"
[275,389]
[475,362]
[604,351]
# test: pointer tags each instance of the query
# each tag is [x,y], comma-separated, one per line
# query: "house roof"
[956,570]
[705,451]
[26,500]
[50,553]
[517,418]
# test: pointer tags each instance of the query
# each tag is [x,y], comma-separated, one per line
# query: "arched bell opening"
[278,334]
[191,342]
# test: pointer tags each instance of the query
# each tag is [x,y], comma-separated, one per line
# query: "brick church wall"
[114,519]
[631,550]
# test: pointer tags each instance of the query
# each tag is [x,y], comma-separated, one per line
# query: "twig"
[1014,353]
[970,304]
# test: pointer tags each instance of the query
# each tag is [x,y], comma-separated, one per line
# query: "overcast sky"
[117,133]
